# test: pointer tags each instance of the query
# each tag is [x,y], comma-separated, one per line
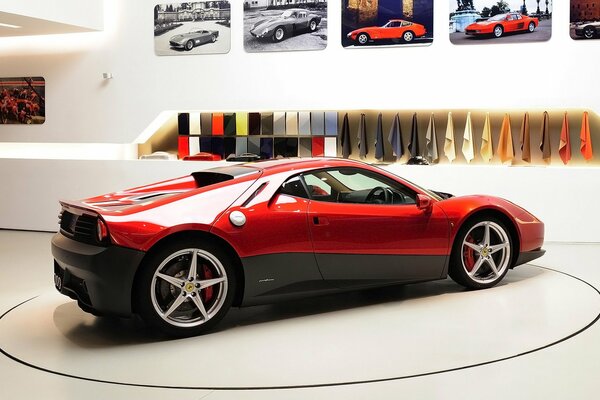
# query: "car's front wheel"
[279,34]
[531,27]
[213,38]
[482,253]
[312,25]
[186,287]
[498,31]
[362,38]
[408,36]
[189,45]
[589,32]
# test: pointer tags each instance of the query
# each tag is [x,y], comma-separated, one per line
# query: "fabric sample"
[241,145]
[449,148]
[586,138]
[431,145]
[229,122]
[379,149]
[330,149]
[217,124]
[218,146]
[413,145]
[525,139]
[545,143]
[395,138]
[195,124]
[467,146]
[317,123]
[318,146]
[362,137]
[254,145]
[266,148]
[266,123]
[229,146]
[345,138]
[241,123]
[564,146]
[487,148]
[305,147]
[304,123]
[206,144]
[279,145]
[279,123]
[183,123]
[291,147]
[331,123]
[291,123]
[505,142]
[206,124]
[183,146]
[194,145]
[254,123]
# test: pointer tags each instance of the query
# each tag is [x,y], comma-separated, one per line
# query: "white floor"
[531,337]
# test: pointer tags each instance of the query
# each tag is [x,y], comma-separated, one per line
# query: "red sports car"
[500,24]
[180,253]
[394,29]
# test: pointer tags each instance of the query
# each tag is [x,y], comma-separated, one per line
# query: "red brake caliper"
[469,254]
[207,293]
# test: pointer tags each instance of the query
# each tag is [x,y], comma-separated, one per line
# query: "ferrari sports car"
[289,23]
[394,29]
[190,40]
[589,30]
[180,253]
[500,24]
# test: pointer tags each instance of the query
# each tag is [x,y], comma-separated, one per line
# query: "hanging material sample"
[229,122]
[291,123]
[449,148]
[395,138]
[362,137]
[525,139]
[241,123]
[266,148]
[586,138]
[217,124]
[331,123]
[194,145]
[206,124]
[279,123]
[183,123]
[183,146]
[254,123]
[413,146]
[564,146]
[467,146]
[305,147]
[318,146]
[195,127]
[266,123]
[345,138]
[317,123]
[431,145]
[487,150]
[304,123]
[330,148]
[545,143]
[379,150]
[505,143]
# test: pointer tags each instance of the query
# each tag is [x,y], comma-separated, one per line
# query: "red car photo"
[500,24]
[394,29]
[182,252]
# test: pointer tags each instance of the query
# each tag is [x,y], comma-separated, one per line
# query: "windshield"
[288,13]
[498,17]
[427,191]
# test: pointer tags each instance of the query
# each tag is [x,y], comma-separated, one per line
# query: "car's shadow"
[88,331]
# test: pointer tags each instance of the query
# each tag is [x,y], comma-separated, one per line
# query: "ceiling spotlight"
[9,26]
[107,75]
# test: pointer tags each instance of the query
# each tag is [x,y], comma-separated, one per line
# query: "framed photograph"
[285,25]
[503,21]
[22,100]
[199,27]
[585,19]
[386,23]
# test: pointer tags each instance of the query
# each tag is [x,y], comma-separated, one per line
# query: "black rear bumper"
[527,256]
[99,278]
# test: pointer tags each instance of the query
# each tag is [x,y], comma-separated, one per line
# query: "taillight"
[101,231]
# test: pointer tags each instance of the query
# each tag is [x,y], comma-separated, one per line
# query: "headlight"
[349,35]
[101,230]
[265,31]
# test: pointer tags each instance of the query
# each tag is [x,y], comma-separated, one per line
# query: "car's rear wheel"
[279,34]
[531,27]
[589,32]
[408,36]
[362,38]
[498,31]
[213,38]
[186,287]
[482,253]
[312,25]
[189,45]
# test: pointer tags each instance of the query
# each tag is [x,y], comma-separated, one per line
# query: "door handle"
[320,221]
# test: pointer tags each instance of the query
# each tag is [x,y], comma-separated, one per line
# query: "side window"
[294,187]
[352,185]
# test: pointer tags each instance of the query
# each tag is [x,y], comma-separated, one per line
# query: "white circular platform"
[375,335]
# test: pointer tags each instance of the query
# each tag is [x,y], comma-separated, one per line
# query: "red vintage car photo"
[182,252]
[394,29]
[500,24]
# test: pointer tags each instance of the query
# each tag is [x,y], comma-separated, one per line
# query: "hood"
[264,23]
[178,37]
[366,28]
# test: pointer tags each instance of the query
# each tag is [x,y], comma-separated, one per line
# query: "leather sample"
[305,147]
[413,145]
[241,123]
[279,123]
[291,147]
[431,145]
[229,146]
[395,138]
[304,123]
[241,145]
[194,145]
[254,145]
[195,124]
[206,124]
[525,139]
[217,145]
[330,148]
[254,123]
[505,143]
[467,146]
[318,146]
[183,123]
[564,146]
[317,123]
[229,124]
[545,143]
[266,123]
[183,146]
[345,138]
[279,146]
[487,148]
[217,124]
[362,137]
[586,138]
[379,149]
[449,148]
[291,123]
[206,144]
[266,148]
[331,123]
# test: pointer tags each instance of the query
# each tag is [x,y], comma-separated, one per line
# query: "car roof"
[397,20]
[286,164]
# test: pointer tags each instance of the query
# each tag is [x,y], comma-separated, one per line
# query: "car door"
[361,238]
[301,21]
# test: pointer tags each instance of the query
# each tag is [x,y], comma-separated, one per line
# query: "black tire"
[213,38]
[279,34]
[189,45]
[498,31]
[531,27]
[408,36]
[362,38]
[464,260]
[589,32]
[154,297]
[312,25]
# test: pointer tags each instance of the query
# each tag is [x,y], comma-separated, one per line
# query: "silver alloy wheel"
[213,38]
[189,45]
[589,32]
[408,36]
[531,27]
[485,252]
[498,31]
[313,25]
[363,38]
[179,289]
[279,34]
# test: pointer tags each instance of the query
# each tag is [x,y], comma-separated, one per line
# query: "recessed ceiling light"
[9,26]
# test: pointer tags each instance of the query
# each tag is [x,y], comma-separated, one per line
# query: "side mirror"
[424,203]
